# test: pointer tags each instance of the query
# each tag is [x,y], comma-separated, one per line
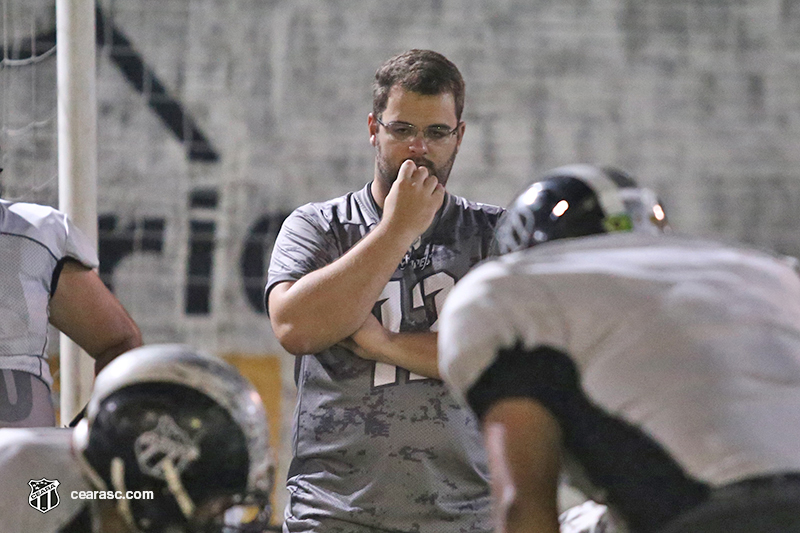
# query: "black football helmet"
[186,426]
[575,201]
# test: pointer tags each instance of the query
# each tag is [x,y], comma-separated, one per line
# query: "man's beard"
[388,174]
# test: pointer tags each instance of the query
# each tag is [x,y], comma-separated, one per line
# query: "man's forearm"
[415,352]
[330,304]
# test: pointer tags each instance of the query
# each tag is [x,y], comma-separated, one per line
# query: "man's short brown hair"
[420,71]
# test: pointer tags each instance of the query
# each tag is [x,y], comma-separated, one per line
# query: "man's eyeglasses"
[403,131]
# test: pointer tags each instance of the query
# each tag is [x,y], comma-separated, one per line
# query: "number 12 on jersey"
[432,291]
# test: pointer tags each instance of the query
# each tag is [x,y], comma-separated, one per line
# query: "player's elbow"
[123,337]
[294,345]
[303,331]
[288,322]
[133,337]
[126,338]
[294,339]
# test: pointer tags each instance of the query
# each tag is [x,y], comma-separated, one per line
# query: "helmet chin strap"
[174,484]
[177,489]
[118,482]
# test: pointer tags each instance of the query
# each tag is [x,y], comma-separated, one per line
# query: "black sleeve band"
[541,373]
[643,481]
[57,274]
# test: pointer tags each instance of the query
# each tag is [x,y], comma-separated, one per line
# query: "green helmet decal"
[618,222]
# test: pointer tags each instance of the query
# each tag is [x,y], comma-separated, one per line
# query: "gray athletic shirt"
[377,447]
[34,241]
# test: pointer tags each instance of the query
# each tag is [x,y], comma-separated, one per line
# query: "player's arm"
[493,344]
[84,309]
[413,351]
[331,303]
[523,442]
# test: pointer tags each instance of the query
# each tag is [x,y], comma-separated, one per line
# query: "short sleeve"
[305,243]
[488,311]
[78,247]
[54,230]
[471,330]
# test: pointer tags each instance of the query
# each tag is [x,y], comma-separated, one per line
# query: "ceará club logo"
[44,495]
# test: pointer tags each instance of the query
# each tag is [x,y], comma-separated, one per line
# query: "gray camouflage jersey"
[377,448]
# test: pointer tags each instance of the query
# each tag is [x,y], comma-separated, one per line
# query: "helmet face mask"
[229,515]
[576,201]
[201,451]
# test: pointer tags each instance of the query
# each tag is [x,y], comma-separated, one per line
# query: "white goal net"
[28,104]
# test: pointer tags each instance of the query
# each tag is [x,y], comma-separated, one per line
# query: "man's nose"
[419,144]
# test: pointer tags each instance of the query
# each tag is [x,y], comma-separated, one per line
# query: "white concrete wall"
[699,99]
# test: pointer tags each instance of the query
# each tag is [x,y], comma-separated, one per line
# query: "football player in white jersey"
[174,441]
[46,277]
[660,372]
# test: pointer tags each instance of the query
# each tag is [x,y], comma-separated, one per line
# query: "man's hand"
[412,201]
[369,340]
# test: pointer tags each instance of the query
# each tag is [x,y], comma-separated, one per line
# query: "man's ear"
[460,135]
[373,125]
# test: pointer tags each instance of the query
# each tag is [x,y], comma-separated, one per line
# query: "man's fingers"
[413,199]
[410,171]
[430,182]
[419,175]
[407,169]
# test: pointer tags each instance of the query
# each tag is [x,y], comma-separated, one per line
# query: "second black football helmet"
[575,201]
[188,430]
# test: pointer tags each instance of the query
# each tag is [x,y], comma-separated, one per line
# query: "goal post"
[77,166]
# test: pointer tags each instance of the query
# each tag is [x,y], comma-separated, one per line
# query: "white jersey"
[34,241]
[686,348]
[30,455]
